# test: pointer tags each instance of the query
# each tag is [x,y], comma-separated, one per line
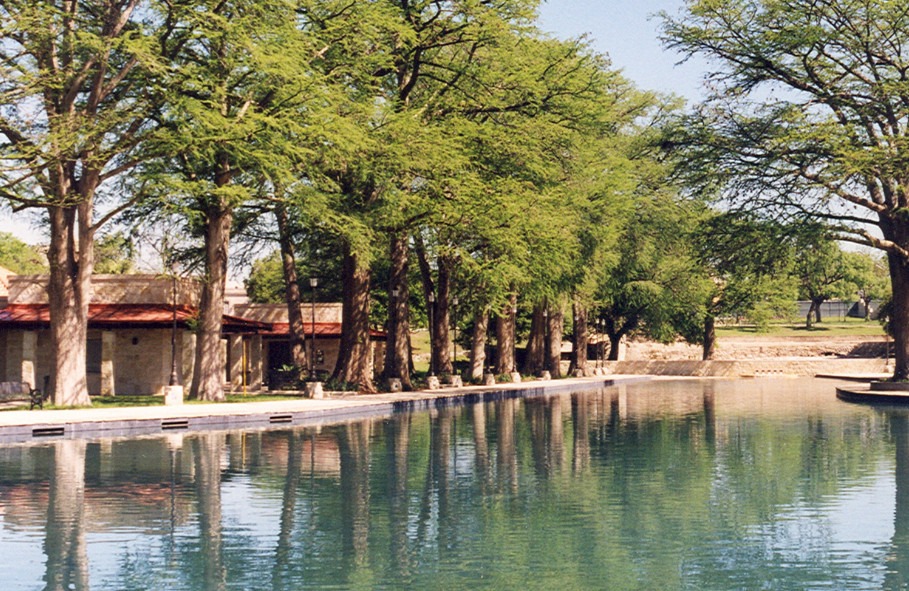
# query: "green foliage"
[115,253]
[19,257]
[265,284]
[748,261]
[805,121]
[655,288]
[822,271]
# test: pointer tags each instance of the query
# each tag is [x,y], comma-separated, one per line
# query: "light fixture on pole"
[313,283]
[432,304]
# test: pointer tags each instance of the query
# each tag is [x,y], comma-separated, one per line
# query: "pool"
[687,484]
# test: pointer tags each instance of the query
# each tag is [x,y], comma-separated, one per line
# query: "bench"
[13,391]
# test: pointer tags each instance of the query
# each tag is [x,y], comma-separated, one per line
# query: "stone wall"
[762,347]
[111,289]
[325,312]
[805,366]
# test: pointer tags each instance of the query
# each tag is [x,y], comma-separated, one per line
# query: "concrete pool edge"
[24,426]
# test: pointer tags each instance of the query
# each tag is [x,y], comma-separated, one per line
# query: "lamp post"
[432,305]
[313,283]
[546,352]
[454,322]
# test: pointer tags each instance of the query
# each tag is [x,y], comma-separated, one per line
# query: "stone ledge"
[803,366]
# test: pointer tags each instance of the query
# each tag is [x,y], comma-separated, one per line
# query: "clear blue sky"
[626,30]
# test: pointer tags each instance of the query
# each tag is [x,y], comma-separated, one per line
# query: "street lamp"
[546,352]
[432,305]
[313,283]
[454,321]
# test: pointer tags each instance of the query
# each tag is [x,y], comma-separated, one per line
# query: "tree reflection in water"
[64,542]
[682,485]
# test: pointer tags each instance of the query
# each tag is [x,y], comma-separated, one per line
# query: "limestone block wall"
[325,312]
[6,357]
[142,361]
[111,289]
[807,366]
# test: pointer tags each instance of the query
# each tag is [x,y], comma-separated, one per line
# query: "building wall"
[111,289]
[4,357]
[325,312]
[142,361]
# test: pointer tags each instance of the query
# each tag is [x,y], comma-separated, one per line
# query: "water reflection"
[898,558]
[64,544]
[677,485]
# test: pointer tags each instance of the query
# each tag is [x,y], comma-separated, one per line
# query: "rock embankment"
[739,348]
[760,356]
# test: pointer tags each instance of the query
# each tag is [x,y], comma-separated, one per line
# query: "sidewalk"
[36,425]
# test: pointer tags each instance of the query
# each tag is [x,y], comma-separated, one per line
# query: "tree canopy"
[807,118]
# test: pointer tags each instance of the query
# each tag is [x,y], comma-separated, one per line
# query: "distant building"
[132,320]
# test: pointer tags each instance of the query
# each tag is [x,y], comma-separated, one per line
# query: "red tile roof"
[326,329]
[123,316]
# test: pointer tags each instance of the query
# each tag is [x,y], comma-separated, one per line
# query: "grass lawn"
[835,326]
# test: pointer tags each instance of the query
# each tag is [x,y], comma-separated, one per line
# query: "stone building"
[133,321]
[322,320]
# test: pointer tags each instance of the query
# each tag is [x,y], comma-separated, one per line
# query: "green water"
[751,484]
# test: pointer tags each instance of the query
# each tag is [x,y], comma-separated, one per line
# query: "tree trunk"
[580,339]
[535,355]
[709,337]
[899,315]
[208,377]
[70,257]
[397,343]
[810,316]
[615,341]
[353,355]
[505,328]
[442,319]
[817,310]
[478,344]
[554,346]
[291,292]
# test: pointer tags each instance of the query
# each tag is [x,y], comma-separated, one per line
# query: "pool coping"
[31,426]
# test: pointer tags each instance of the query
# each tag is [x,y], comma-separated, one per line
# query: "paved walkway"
[25,425]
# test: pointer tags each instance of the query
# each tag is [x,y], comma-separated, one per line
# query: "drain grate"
[47,432]
[171,424]
[280,419]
